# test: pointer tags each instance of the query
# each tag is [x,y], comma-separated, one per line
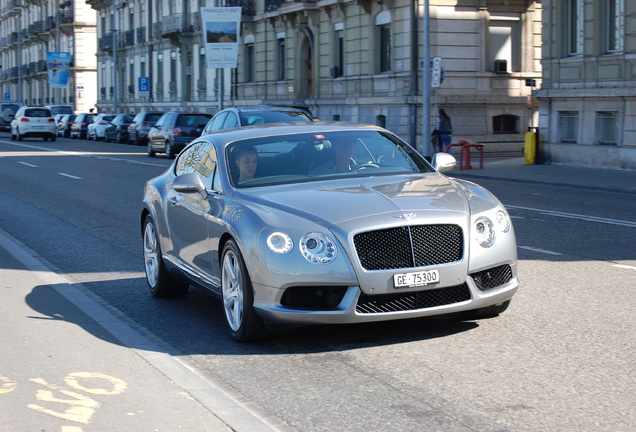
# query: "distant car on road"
[174,130]
[97,129]
[60,109]
[141,124]
[64,125]
[79,128]
[231,118]
[117,130]
[33,122]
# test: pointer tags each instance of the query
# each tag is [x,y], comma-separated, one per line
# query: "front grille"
[409,246]
[314,298]
[491,278]
[369,304]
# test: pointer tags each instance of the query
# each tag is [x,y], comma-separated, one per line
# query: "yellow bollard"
[530,148]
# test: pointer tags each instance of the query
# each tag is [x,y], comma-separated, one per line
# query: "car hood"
[339,201]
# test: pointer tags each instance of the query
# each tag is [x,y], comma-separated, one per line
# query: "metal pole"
[57,93]
[114,30]
[425,148]
[19,57]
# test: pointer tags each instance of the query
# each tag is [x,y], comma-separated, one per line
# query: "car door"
[190,214]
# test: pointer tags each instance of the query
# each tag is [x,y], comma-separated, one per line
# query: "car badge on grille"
[405,216]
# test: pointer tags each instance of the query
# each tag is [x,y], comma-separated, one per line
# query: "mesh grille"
[408,247]
[368,304]
[315,298]
[493,277]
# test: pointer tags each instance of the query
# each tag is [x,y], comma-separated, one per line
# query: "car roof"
[288,128]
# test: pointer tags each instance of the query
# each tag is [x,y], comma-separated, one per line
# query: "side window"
[231,121]
[199,158]
[160,122]
[217,123]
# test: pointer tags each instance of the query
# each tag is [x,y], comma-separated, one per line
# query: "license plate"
[416,278]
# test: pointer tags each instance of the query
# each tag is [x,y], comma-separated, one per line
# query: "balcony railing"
[248,6]
[141,35]
[172,24]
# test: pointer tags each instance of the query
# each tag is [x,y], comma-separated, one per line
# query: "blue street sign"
[7,97]
[143,84]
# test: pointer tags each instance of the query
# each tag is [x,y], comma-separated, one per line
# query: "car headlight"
[280,243]
[503,221]
[484,232]
[318,248]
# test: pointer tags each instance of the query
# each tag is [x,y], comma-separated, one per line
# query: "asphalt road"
[560,359]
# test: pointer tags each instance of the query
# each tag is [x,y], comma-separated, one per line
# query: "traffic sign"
[143,84]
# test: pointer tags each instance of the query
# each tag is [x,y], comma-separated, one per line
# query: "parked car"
[33,122]
[387,237]
[97,129]
[174,130]
[141,124]
[230,118]
[64,125]
[117,130]
[79,127]
[60,109]
[7,113]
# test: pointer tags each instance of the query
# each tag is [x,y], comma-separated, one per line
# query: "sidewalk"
[70,363]
[513,168]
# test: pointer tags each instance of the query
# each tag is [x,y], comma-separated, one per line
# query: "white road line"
[577,216]
[70,176]
[624,266]
[539,250]
[27,164]
[89,155]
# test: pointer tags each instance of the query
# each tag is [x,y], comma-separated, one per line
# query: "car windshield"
[307,157]
[37,113]
[152,117]
[193,121]
[260,117]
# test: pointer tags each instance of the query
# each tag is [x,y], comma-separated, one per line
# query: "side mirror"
[189,183]
[443,162]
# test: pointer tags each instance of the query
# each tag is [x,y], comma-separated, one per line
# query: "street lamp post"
[114,30]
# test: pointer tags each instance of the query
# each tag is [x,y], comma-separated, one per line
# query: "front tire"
[151,152]
[169,150]
[238,297]
[160,283]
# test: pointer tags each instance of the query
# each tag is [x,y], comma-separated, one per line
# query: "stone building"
[588,96]
[29,29]
[353,60]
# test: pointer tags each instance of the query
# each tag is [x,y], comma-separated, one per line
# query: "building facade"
[29,29]
[588,96]
[350,60]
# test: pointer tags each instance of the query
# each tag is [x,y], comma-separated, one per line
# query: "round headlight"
[484,232]
[318,248]
[503,221]
[280,242]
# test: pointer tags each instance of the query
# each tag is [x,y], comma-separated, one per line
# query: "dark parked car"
[231,118]
[117,130]
[7,113]
[64,125]
[174,130]
[269,219]
[79,127]
[141,124]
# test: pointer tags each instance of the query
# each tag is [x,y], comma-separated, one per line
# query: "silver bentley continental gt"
[320,222]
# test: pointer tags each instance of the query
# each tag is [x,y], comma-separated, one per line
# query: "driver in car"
[342,157]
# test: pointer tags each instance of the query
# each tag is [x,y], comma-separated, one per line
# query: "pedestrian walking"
[443,130]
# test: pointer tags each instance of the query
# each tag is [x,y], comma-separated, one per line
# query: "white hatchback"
[33,122]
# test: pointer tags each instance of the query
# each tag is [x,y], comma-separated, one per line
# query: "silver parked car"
[319,222]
